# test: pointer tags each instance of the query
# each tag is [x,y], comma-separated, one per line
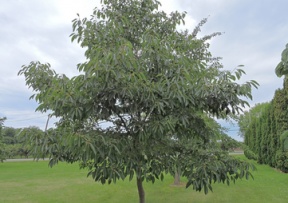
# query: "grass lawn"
[35,182]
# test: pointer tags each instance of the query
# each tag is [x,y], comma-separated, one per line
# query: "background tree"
[228,144]
[12,151]
[15,141]
[9,135]
[282,67]
[246,118]
[27,138]
[2,150]
[264,126]
[149,82]
[253,124]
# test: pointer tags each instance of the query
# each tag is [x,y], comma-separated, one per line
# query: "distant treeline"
[14,143]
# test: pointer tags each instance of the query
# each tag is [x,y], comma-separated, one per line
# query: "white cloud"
[67,10]
[26,118]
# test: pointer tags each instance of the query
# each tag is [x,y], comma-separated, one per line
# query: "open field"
[31,182]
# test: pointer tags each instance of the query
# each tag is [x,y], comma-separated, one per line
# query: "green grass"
[35,182]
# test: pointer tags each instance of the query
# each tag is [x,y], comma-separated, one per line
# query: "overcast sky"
[255,34]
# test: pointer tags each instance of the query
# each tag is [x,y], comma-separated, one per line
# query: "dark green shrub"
[249,153]
[282,160]
[2,152]
[284,141]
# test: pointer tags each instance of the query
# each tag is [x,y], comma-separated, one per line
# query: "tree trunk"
[141,191]
[177,178]
[177,175]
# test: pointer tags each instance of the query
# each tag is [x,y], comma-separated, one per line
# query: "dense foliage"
[141,99]
[282,67]
[265,126]
[14,143]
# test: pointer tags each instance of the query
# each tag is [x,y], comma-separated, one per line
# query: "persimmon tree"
[145,87]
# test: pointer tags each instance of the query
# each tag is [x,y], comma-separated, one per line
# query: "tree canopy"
[282,68]
[145,88]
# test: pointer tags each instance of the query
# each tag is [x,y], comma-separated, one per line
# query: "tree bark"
[141,191]
[177,175]
[177,178]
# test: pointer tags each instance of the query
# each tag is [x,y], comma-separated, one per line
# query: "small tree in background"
[2,150]
[9,135]
[282,153]
[153,85]
[28,138]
